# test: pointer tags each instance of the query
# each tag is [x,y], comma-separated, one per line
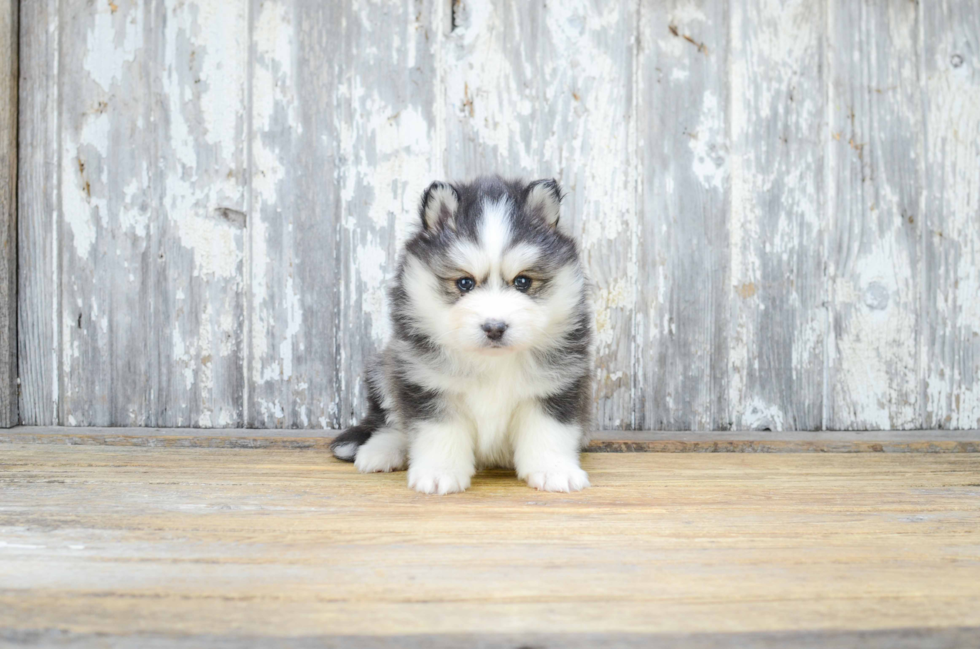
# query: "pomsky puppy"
[490,361]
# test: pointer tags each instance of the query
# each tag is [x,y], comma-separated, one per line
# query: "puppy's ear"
[439,204]
[543,199]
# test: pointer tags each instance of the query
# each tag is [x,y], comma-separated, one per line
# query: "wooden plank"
[104,98]
[293,250]
[874,253]
[196,249]
[600,441]
[152,200]
[39,224]
[546,90]
[777,290]
[949,328]
[392,154]
[9,74]
[684,291]
[233,544]
[920,638]
[342,151]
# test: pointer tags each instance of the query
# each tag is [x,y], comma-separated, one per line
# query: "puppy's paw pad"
[433,481]
[562,480]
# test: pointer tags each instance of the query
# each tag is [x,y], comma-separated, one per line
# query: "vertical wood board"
[777,318]
[8,212]
[342,147]
[544,91]
[39,222]
[873,255]
[683,281]
[949,325]
[151,202]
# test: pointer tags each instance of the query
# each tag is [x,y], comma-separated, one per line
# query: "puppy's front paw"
[381,454]
[437,480]
[564,479]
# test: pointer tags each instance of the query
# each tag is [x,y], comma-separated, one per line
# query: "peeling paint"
[113,42]
[779,221]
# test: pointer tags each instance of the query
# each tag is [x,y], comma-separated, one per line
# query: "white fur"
[495,422]
[546,452]
[442,460]
[345,451]
[518,259]
[496,427]
[385,451]
[495,233]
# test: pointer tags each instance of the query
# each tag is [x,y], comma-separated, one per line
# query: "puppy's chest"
[490,403]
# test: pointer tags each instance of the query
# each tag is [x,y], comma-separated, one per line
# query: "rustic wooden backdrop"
[779,201]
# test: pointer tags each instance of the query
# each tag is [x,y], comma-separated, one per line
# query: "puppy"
[490,361]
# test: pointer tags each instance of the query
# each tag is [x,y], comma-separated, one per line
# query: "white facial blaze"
[495,235]
[494,299]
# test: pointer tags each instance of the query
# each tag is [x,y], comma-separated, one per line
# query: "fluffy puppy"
[490,360]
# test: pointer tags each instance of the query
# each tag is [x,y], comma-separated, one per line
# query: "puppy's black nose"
[495,329]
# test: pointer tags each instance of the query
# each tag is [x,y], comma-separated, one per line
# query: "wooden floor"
[131,546]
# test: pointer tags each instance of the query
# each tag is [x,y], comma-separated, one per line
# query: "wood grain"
[342,105]
[876,126]
[195,252]
[39,216]
[294,237]
[239,544]
[150,262]
[907,638]
[949,325]
[683,284]
[9,10]
[778,293]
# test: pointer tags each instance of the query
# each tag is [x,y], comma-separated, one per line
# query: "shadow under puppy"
[490,360]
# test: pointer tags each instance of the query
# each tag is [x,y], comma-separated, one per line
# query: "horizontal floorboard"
[924,638]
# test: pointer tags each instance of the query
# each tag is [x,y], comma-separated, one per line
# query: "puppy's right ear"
[439,204]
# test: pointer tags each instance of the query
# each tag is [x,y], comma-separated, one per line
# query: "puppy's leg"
[441,458]
[546,451]
[386,450]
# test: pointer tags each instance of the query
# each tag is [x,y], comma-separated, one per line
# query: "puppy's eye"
[522,282]
[465,284]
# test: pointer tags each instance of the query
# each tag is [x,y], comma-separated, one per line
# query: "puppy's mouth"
[496,347]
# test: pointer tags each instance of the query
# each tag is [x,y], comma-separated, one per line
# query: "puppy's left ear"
[543,199]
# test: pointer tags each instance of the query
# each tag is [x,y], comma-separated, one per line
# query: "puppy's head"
[489,270]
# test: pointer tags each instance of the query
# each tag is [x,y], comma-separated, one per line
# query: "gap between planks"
[890,441]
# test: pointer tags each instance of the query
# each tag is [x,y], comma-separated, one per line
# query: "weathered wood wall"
[779,201]
[8,213]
